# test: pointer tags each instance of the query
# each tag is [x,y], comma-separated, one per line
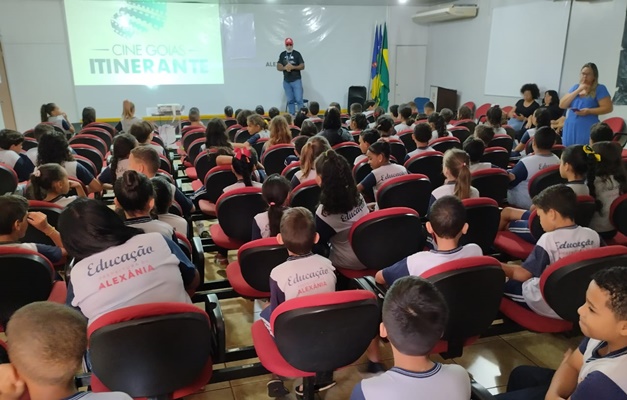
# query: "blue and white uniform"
[334,229]
[551,246]
[297,277]
[241,184]
[478,166]
[375,179]
[419,263]
[149,225]
[106,176]
[448,189]
[601,377]
[148,268]
[527,167]
[52,253]
[99,396]
[261,226]
[76,170]
[418,150]
[442,382]
[20,163]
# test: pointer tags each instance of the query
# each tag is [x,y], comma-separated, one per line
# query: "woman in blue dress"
[585,101]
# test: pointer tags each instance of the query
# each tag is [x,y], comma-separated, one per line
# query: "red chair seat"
[191,173]
[269,355]
[619,239]
[511,244]
[532,321]
[442,345]
[220,238]
[58,294]
[196,184]
[356,273]
[235,278]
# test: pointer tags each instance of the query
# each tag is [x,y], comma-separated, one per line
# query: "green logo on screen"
[138,17]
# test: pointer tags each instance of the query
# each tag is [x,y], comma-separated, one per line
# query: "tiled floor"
[489,361]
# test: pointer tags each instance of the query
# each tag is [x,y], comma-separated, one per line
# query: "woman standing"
[585,101]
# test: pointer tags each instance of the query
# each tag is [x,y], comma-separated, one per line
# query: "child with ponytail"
[50,112]
[438,126]
[315,146]
[49,182]
[607,180]
[243,165]
[456,170]
[122,146]
[275,191]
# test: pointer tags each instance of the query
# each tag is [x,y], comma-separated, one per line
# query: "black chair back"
[413,191]
[618,214]
[543,179]
[8,179]
[491,183]
[307,195]
[216,180]
[496,156]
[397,150]
[194,149]
[52,211]
[274,157]
[349,150]
[428,163]
[483,217]
[290,170]
[90,153]
[236,211]
[90,140]
[29,143]
[102,133]
[446,143]
[461,132]
[191,136]
[408,140]
[361,170]
[258,260]
[504,141]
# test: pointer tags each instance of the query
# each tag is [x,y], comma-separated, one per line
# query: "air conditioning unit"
[445,14]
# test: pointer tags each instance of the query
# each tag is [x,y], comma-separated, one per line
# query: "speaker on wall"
[357,94]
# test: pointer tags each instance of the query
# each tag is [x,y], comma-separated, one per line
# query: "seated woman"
[552,103]
[135,195]
[120,266]
[53,149]
[524,107]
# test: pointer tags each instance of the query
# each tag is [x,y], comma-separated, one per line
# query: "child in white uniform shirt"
[475,148]
[49,182]
[163,202]
[275,191]
[556,207]
[367,138]
[456,170]
[421,136]
[11,154]
[41,367]
[135,195]
[447,222]
[607,180]
[340,207]
[414,319]
[303,274]
[382,169]
[120,266]
[243,166]
[311,150]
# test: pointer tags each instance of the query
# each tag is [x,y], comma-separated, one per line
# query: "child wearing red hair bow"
[243,165]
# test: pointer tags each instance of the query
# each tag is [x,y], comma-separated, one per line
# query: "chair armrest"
[198,257]
[478,392]
[213,309]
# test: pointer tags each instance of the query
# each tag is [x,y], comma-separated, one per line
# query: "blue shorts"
[513,291]
[521,228]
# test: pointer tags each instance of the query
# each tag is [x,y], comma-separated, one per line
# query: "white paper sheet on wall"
[527,44]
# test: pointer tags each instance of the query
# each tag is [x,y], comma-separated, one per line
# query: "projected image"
[144,43]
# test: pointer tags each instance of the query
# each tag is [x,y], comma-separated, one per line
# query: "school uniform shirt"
[76,170]
[448,189]
[442,382]
[359,158]
[478,166]
[401,127]
[59,121]
[106,176]
[126,123]
[240,184]
[518,193]
[419,263]
[259,135]
[298,178]
[601,377]
[99,396]
[606,190]
[177,222]
[334,229]
[261,226]
[553,246]
[180,197]
[63,201]
[375,179]
[150,225]
[299,276]
[434,134]
[20,163]
[52,253]
[418,150]
[148,268]
[579,187]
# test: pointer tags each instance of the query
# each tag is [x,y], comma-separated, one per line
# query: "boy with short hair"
[596,369]
[10,154]
[298,143]
[366,138]
[601,132]
[145,160]
[46,344]
[484,133]
[475,148]
[355,108]
[447,222]
[429,108]
[303,274]
[556,207]
[421,136]
[414,319]
[314,109]
[368,107]
[518,193]
[14,220]
[273,112]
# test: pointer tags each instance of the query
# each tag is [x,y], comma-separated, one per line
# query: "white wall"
[458,51]
[337,55]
